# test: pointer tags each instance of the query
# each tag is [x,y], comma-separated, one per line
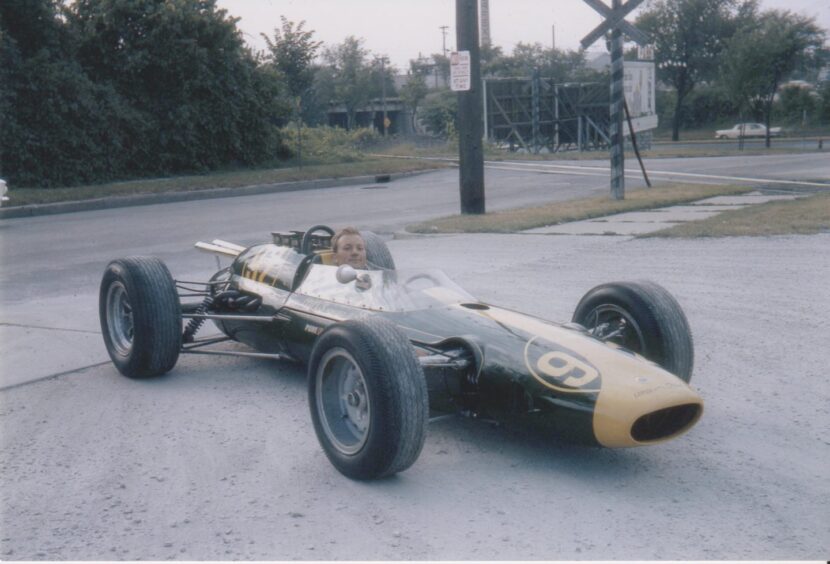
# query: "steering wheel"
[305,245]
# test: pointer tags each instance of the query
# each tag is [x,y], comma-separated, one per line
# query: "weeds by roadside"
[509,221]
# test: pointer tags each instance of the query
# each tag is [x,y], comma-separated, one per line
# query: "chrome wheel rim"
[343,401]
[120,319]
[613,324]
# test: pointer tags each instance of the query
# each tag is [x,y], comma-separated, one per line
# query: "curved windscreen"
[385,290]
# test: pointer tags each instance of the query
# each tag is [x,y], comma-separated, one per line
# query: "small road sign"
[460,71]
[616,24]
[614,19]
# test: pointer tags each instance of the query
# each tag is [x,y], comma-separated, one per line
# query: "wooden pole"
[617,97]
[470,112]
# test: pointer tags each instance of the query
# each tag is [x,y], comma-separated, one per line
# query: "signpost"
[465,67]
[616,24]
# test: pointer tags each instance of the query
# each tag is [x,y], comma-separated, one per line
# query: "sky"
[401,29]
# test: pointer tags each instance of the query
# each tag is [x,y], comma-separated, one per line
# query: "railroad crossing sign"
[614,18]
[616,24]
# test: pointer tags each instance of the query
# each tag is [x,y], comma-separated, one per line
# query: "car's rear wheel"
[642,317]
[140,316]
[368,398]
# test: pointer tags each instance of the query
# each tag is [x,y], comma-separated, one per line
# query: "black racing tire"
[377,253]
[645,318]
[368,398]
[140,316]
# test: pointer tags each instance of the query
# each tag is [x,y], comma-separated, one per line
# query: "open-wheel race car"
[386,348]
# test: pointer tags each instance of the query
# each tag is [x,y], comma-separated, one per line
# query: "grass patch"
[658,150]
[804,216]
[224,179]
[510,221]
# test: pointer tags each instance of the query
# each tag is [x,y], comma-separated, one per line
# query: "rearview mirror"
[346,274]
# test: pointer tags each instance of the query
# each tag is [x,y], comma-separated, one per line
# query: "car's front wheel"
[140,316]
[642,317]
[368,398]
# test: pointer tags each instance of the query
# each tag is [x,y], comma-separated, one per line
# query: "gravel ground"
[218,460]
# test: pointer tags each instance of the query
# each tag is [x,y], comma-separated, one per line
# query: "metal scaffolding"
[535,113]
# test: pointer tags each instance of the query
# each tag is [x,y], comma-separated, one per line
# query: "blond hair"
[341,233]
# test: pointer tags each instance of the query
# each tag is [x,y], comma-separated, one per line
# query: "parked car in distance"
[747,130]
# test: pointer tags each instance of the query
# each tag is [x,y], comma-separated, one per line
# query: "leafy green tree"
[562,66]
[350,76]
[181,65]
[823,104]
[414,90]
[797,105]
[58,127]
[292,52]
[689,38]
[439,113]
[765,53]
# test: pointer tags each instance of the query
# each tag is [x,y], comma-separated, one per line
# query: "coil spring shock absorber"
[196,322]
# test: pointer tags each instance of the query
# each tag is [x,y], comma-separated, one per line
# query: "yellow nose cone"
[643,407]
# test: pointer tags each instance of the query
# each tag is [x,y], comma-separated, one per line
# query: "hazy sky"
[401,29]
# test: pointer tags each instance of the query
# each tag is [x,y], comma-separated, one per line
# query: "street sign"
[639,87]
[616,24]
[645,52]
[460,71]
[614,19]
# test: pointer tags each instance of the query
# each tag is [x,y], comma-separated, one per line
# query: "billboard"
[639,84]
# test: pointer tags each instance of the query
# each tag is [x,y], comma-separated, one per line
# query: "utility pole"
[383,90]
[470,111]
[444,29]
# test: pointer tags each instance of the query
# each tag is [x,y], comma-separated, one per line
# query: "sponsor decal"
[665,386]
[313,329]
[560,369]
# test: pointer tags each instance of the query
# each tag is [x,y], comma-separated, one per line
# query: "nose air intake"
[665,423]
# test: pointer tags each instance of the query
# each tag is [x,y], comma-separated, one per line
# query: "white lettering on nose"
[566,369]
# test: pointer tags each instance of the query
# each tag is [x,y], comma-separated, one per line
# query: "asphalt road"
[218,459]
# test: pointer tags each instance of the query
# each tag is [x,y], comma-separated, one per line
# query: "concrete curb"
[170,197]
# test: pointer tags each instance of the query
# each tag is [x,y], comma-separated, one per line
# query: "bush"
[439,113]
[823,106]
[329,144]
[797,106]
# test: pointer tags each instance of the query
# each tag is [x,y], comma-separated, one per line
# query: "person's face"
[351,250]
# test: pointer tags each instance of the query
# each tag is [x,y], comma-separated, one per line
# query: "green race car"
[386,348]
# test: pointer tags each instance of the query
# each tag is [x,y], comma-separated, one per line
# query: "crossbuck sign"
[616,24]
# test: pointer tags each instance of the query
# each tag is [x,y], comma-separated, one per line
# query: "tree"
[59,127]
[349,78]
[763,54]
[562,66]
[181,65]
[413,92]
[440,113]
[292,52]
[350,75]
[689,37]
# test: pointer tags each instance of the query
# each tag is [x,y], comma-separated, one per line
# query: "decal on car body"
[558,368]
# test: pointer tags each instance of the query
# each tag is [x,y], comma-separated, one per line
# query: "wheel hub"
[343,401]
